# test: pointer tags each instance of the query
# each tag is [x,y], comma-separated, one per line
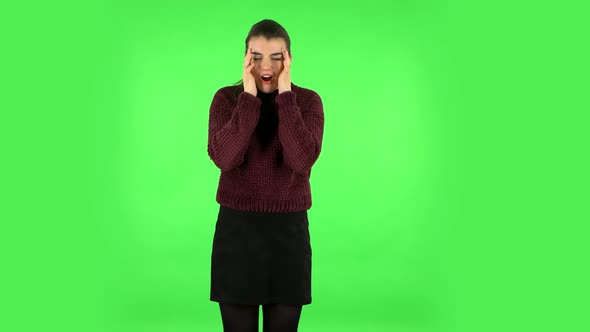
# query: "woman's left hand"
[285,75]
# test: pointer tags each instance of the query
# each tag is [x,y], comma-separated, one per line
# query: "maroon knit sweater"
[265,147]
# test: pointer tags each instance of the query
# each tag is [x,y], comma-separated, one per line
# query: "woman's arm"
[230,129]
[300,130]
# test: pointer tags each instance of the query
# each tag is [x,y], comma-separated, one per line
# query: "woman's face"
[268,60]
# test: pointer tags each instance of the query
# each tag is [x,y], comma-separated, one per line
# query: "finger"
[286,57]
[248,55]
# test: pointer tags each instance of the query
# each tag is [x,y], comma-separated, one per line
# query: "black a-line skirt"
[261,258]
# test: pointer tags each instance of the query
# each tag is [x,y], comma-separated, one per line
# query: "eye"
[257,58]
[278,59]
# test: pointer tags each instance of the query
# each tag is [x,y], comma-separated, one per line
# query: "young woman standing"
[265,134]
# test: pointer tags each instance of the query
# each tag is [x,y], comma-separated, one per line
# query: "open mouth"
[266,78]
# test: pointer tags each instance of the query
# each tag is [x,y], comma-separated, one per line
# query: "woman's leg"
[239,317]
[280,317]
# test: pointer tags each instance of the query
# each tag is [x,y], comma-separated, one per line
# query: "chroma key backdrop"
[447,196]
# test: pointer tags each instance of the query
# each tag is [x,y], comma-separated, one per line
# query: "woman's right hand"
[247,77]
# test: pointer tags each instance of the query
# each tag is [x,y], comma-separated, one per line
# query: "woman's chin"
[267,88]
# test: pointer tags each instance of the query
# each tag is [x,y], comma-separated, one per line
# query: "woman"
[265,133]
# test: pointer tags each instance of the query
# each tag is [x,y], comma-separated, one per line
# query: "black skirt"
[261,258]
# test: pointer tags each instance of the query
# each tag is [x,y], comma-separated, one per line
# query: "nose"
[265,64]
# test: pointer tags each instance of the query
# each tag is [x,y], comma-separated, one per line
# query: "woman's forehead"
[263,45]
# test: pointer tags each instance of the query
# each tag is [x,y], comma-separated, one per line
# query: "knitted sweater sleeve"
[230,129]
[301,130]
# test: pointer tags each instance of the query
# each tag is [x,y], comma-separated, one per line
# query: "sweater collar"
[270,95]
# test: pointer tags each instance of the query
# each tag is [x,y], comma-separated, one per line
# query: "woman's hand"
[247,77]
[285,75]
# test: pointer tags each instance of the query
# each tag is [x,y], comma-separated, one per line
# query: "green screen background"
[450,194]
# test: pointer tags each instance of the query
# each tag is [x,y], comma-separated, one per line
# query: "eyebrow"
[277,53]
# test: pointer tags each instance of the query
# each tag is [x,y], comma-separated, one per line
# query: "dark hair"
[268,29]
